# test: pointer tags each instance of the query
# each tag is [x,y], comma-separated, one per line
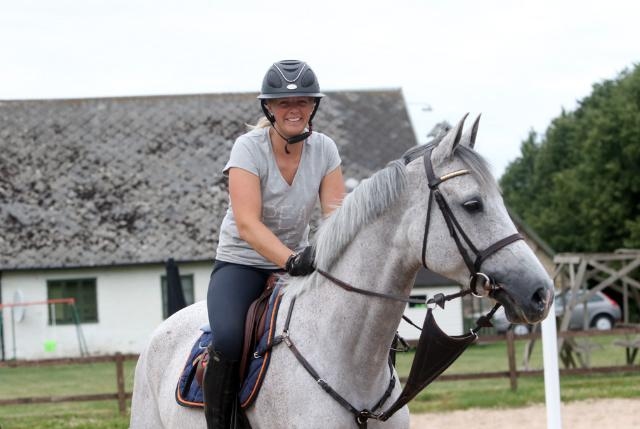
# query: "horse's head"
[468,230]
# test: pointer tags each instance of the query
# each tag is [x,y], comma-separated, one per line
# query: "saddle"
[258,333]
[255,322]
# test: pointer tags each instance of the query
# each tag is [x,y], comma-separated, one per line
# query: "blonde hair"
[262,123]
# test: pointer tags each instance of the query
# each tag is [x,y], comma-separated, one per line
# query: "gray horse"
[375,241]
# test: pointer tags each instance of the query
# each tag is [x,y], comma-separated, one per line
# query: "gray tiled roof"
[113,181]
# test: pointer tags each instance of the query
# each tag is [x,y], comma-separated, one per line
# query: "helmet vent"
[308,79]
[273,80]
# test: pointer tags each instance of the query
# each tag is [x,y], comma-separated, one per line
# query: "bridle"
[488,287]
[457,233]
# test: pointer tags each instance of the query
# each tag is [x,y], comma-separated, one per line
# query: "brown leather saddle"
[254,325]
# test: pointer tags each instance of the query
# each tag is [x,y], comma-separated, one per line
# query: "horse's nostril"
[539,298]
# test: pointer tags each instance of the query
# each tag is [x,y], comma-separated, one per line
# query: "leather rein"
[488,287]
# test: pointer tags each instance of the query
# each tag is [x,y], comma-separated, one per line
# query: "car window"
[596,298]
[559,299]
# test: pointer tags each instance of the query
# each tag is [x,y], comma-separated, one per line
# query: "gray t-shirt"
[286,210]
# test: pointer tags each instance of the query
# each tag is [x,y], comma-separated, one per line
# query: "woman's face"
[292,114]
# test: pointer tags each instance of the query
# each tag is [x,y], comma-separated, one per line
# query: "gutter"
[102,265]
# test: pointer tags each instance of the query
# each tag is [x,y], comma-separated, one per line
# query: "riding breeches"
[232,289]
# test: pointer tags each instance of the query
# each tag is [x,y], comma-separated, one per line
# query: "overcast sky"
[518,63]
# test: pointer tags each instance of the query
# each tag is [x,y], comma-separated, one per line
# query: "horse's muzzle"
[526,308]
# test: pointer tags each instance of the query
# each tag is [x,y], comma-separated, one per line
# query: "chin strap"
[294,139]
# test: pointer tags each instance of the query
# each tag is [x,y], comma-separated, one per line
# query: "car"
[602,314]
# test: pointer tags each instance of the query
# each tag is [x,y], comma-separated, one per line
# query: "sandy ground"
[591,414]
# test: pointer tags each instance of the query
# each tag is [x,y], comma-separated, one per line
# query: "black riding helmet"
[290,78]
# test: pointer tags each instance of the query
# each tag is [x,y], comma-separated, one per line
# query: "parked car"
[602,314]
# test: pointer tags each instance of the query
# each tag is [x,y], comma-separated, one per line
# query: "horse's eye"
[473,206]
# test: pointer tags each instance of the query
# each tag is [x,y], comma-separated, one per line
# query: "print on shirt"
[282,220]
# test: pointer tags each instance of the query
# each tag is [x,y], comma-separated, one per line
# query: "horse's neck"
[355,328]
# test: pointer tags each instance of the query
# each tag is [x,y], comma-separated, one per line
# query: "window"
[187,290]
[423,304]
[84,292]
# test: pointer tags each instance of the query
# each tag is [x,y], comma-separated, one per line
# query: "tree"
[579,186]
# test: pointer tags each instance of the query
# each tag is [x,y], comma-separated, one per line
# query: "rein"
[448,348]
[438,299]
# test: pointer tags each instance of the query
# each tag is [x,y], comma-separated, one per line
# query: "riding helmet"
[290,78]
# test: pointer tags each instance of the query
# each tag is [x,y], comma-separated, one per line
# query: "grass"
[60,380]
[487,393]
[77,415]
[439,396]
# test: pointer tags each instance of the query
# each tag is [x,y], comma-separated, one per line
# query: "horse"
[376,241]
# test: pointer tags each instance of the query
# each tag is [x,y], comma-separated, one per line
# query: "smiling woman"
[276,173]
[293,112]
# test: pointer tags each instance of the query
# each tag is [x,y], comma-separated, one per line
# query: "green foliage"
[578,186]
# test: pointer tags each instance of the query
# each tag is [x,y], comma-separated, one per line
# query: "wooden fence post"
[511,354]
[122,402]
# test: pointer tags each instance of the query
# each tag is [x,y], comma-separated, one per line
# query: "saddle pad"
[188,392]
[259,362]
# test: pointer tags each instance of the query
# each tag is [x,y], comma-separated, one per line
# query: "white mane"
[364,204]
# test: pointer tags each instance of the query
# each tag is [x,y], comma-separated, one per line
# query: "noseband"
[488,284]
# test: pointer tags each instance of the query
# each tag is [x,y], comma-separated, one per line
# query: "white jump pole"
[551,372]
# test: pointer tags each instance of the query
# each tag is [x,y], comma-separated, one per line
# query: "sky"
[518,63]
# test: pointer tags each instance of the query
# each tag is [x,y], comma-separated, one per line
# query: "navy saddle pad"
[189,392]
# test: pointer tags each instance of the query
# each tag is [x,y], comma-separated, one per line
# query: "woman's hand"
[301,263]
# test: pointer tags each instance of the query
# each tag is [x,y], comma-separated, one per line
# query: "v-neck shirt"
[286,209]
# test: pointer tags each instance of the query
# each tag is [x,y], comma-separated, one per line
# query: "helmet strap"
[294,139]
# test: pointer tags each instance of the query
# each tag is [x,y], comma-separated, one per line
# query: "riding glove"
[301,263]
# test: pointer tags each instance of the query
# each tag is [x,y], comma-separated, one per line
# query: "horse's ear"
[445,148]
[469,136]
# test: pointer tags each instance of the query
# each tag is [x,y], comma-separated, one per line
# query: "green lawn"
[441,395]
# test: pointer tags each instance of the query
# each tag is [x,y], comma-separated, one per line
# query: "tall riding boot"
[220,390]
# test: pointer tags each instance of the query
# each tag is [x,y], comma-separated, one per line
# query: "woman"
[276,173]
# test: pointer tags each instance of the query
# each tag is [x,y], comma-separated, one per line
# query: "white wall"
[129,309]
[449,319]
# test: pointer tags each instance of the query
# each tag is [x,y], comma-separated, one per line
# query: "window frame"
[86,301]
[187,282]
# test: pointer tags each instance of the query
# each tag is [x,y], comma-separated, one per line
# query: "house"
[97,194]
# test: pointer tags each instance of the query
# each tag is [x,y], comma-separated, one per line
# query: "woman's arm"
[331,191]
[246,202]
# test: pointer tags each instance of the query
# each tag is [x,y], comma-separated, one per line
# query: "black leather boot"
[220,390]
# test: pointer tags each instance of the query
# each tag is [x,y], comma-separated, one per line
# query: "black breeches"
[232,289]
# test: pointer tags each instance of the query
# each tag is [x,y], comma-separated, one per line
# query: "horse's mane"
[373,196]
[363,205]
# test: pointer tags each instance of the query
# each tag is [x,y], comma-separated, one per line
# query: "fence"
[569,352]
[121,395]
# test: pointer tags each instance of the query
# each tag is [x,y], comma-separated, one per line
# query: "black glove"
[301,263]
